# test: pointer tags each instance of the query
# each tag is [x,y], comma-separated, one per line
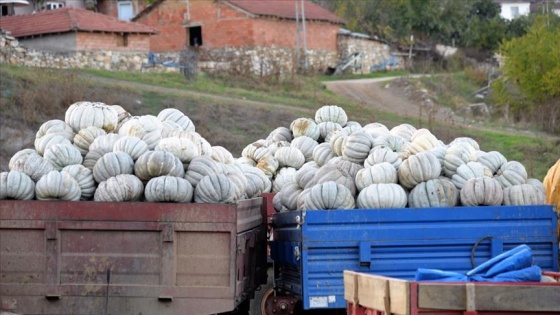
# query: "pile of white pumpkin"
[331,163]
[102,152]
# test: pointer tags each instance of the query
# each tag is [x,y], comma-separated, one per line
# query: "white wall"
[523,8]
[69,3]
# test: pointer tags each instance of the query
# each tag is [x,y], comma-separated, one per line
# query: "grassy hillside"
[228,111]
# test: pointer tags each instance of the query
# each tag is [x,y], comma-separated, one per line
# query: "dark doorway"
[195,36]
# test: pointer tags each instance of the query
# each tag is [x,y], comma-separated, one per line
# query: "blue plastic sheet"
[512,266]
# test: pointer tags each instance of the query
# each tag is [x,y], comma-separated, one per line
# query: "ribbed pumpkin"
[356,147]
[112,164]
[199,167]
[305,127]
[327,129]
[55,126]
[306,173]
[16,185]
[552,185]
[222,155]
[290,157]
[147,128]
[46,141]
[524,194]
[494,160]
[334,173]
[176,116]
[284,176]
[28,161]
[215,188]
[85,137]
[84,177]
[105,142]
[157,163]
[280,134]
[182,148]
[92,157]
[322,153]
[168,189]
[404,131]
[289,195]
[457,155]
[468,171]
[255,151]
[273,146]
[329,196]
[132,146]
[511,173]
[277,203]
[63,154]
[300,201]
[81,115]
[381,196]
[57,186]
[337,140]
[239,181]
[482,191]
[120,188]
[257,181]
[394,143]
[419,168]
[305,145]
[269,164]
[122,115]
[434,193]
[376,129]
[331,113]
[462,140]
[382,154]
[425,142]
[383,173]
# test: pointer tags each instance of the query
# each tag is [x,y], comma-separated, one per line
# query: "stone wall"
[11,52]
[375,53]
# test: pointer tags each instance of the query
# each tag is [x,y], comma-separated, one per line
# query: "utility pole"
[301,37]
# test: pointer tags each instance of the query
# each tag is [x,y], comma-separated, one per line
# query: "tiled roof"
[286,9]
[68,19]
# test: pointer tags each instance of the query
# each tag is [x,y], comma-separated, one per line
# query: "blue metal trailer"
[311,249]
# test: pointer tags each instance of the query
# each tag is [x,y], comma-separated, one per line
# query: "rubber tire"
[255,308]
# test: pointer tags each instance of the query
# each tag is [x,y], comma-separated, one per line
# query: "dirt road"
[377,94]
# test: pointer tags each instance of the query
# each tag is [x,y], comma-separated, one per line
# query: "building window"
[5,9]
[125,10]
[195,36]
[122,40]
[514,12]
[52,5]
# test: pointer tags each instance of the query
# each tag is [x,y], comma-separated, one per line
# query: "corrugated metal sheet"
[396,242]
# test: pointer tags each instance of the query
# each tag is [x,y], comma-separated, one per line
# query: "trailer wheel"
[258,302]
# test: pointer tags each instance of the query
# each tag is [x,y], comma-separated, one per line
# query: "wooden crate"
[374,294]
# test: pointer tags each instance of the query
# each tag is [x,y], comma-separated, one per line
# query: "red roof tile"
[68,19]
[286,9]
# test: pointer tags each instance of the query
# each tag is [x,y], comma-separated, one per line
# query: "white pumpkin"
[306,173]
[322,153]
[356,147]
[28,161]
[333,173]
[168,189]
[493,160]
[215,188]
[55,126]
[381,196]
[16,185]
[81,115]
[383,173]
[42,144]
[305,145]
[511,173]
[201,166]
[257,181]
[176,116]
[327,129]
[434,193]
[255,151]
[284,176]
[132,146]
[183,148]
[85,137]
[112,164]
[269,164]
[419,168]
[157,163]
[404,131]
[305,127]
[57,185]
[482,191]
[92,157]
[280,134]
[84,177]
[524,194]
[329,196]
[222,155]
[457,155]
[383,154]
[120,188]
[289,195]
[63,154]
[105,142]
[331,113]
[290,157]
[468,171]
[147,128]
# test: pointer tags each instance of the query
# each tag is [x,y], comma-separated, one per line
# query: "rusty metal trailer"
[130,258]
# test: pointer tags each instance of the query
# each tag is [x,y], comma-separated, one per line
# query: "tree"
[532,65]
